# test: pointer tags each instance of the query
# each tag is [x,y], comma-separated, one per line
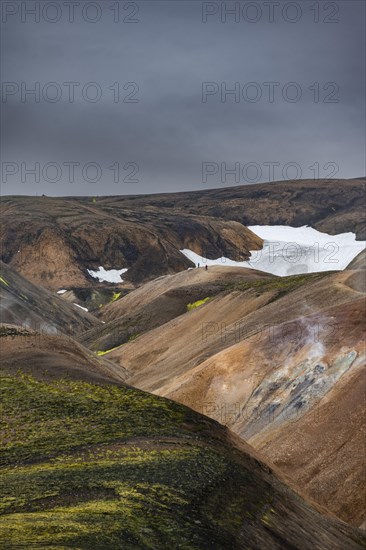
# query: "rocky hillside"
[265,356]
[23,303]
[96,464]
[274,363]
[332,206]
[155,303]
[55,241]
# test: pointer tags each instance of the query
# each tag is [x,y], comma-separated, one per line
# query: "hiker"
[198,265]
[206,267]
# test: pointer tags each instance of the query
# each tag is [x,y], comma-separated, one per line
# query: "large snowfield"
[293,250]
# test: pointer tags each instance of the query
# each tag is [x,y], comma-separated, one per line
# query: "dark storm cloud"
[169,132]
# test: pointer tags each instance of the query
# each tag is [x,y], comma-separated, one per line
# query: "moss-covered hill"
[89,466]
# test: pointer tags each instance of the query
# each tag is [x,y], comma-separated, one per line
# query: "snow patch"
[108,275]
[292,251]
[62,291]
[81,307]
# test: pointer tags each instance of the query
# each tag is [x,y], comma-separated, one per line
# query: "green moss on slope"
[87,466]
[42,417]
[280,285]
[3,280]
[92,467]
[101,352]
[197,304]
[116,296]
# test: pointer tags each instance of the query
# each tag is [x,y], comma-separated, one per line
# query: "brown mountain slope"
[249,308]
[298,395]
[47,357]
[333,205]
[157,302]
[100,465]
[257,358]
[359,262]
[23,303]
[214,278]
[54,241]
[332,472]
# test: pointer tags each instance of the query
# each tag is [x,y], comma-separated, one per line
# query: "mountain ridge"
[54,241]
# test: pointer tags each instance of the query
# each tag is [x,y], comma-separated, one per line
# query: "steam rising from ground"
[291,372]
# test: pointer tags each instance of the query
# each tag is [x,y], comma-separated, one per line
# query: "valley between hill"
[93,463]
[180,407]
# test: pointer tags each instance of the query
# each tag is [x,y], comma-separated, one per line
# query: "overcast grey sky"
[171,126]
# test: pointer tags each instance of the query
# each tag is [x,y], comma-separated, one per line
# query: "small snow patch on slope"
[62,291]
[81,307]
[293,250]
[108,275]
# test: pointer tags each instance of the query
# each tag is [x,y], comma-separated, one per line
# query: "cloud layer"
[144,125]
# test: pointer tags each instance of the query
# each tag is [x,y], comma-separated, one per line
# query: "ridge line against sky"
[361,179]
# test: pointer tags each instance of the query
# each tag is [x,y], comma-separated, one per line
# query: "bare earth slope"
[157,302]
[262,355]
[333,206]
[88,464]
[26,304]
[54,241]
[46,357]
[359,262]
[91,462]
